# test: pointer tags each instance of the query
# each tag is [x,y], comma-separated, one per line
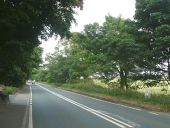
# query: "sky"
[95,11]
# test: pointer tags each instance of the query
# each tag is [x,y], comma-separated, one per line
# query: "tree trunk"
[168,69]
[123,78]
[126,84]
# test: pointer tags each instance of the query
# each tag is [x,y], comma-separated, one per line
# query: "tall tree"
[113,45]
[22,23]
[67,64]
[153,21]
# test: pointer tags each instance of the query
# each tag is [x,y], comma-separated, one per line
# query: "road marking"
[153,113]
[25,115]
[102,100]
[30,122]
[110,119]
[129,107]
[104,112]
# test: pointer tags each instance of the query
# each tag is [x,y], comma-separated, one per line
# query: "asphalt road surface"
[55,108]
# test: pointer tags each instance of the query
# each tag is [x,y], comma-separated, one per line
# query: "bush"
[9,90]
[86,85]
[14,77]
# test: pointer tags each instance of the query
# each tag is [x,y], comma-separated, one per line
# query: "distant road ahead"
[56,108]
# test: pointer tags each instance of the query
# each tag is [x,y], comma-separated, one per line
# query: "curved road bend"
[56,108]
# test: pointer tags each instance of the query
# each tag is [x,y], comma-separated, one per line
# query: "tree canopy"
[153,23]
[22,24]
[130,50]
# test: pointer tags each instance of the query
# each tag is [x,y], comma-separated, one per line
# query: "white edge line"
[153,113]
[138,109]
[90,109]
[25,115]
[103,100]
[30,122]
[110,102]
[101,115]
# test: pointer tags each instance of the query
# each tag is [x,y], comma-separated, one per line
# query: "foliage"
[120,48]
[39,74]
[112,45]
[22,24]
[85,85]
[153,21]
[88,87]
[67,64]
[9,90]
[17,67]
[28,19]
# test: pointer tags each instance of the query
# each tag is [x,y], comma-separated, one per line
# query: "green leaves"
[22,24]
[111,46]
[153,21]
[128,50]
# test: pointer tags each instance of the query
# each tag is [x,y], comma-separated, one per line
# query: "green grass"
[156,90]
[88,86]
[85,85]
[159,88]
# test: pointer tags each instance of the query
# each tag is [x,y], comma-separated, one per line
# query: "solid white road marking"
[30,122]
[97,113]
[25,115]
[103,100]
[153,113]
[109,102]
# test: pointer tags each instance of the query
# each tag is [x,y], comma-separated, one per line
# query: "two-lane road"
[56,108]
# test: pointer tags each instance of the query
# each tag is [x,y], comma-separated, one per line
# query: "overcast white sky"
[95,11]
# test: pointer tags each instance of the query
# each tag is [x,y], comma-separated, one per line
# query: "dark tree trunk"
[126,84]
[123,78]
[168,69]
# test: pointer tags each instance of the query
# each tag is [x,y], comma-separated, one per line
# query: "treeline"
[23,23]
[130,50]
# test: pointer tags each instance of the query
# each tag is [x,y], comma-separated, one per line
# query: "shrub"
[9,90]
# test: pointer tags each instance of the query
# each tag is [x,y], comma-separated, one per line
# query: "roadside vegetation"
[156,102]
[131,57]
[9,90]
[23,25]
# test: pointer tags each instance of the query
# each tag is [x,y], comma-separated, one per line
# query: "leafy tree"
[113,45]
[17,67]
[22,23]
[58,70]
[153,22]
[67,64]
[40,74]
[121,47]
[83,61]
[28,19]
